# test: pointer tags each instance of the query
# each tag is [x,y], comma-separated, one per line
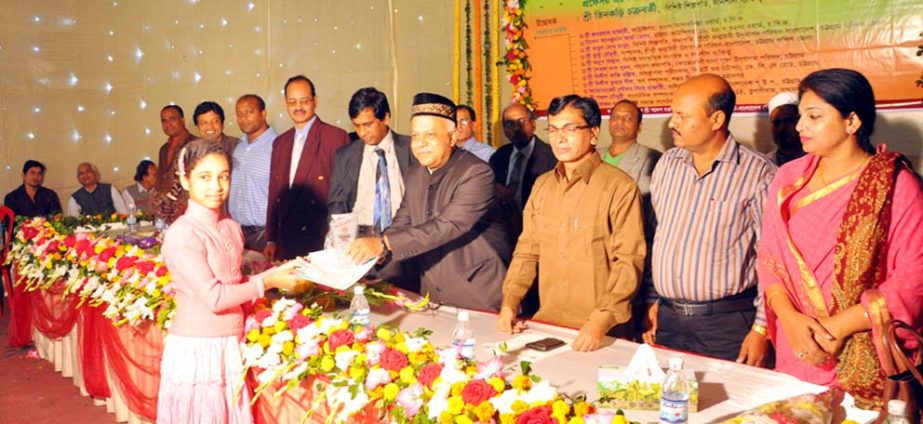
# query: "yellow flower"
[471,370]
[402,347]
[619,419]
[497,383]
[507,419]
[484,411]
[356,373]
[463,419]
[253,335]
[384,334]
[327,363]
[581,409]
[407,375]
[446,417]
[560,408]
[280,325]
[398,338]
[391,391]
[519,406]
[456,405]
[98,248]
[576,420]
[522,382]
[457,388]
[288,348]
[265,340]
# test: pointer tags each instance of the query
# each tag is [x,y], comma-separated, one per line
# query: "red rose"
[52,247]
[477,391]
[82,247]
[105,255]
[145,267]
[29,232]
[124,263]
[262,314]
[510,55]
[70,240]
[514,79]
[341,338]
[537,415]
[298,322]
[393,360]
[429,373]
[161,271]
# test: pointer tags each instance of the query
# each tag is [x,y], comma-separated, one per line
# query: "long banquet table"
[726,388]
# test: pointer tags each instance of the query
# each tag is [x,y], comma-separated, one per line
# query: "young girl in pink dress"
[202,365]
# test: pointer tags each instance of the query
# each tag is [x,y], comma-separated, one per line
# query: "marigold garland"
[516,59]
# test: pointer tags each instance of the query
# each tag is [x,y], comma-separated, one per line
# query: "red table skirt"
[129,357]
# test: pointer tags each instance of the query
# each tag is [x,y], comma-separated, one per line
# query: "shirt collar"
[729,153]
[526,151]
[386,144]
[141,188]
[267,136]
[583,172]
[202,214]
[301,135]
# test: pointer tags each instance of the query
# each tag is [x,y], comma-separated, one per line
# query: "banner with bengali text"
[643,49]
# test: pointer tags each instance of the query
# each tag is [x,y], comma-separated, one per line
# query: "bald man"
[707,194]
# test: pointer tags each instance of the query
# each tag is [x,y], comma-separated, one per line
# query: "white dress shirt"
[365,188]
[301,136]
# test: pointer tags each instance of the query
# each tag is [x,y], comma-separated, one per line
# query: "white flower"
[351,404]
[503,403]
[269,360]
[414,344]
[440,401]
[281,305]
[251,353]
[295,372]
[325,325]
[266,375]
[542,391]
[344,359]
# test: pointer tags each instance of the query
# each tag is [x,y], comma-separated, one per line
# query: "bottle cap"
[463,315]
[676,363]
[897,407]
[359,289]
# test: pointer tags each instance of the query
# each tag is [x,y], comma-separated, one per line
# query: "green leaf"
[526,367]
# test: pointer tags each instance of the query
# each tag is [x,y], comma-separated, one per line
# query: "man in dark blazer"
[299,180]
[516,167]
[357,170]
[370,114]
[519,128]
[449,220]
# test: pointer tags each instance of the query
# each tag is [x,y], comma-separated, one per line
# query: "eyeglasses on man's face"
[515,123]
[566,130]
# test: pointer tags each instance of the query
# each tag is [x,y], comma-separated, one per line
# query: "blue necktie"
[382,211]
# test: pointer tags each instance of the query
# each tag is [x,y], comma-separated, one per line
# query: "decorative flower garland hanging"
[516,59]
[469,75]
[488,82]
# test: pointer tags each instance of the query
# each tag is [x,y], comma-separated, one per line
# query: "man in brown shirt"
[583,228]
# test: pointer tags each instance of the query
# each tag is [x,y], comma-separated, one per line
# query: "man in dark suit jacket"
[299,180]
[449,218]
[519,128]
[357,170]
[370,113]
[514,188]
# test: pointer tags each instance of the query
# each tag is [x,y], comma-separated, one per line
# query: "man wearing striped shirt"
[707,195]
[250,180]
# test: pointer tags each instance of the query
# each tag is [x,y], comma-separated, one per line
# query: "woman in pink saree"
[841,251]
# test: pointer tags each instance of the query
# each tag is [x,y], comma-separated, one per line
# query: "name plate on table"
[331,269]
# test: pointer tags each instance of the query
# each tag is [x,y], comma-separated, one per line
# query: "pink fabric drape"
[292,405]
[813,230]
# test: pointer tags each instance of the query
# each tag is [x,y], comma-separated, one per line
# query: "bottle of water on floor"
[131,221]
[463,337]
[897,412]
[359,307]
[674,398]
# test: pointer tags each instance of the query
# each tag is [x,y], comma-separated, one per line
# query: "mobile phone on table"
[546,344]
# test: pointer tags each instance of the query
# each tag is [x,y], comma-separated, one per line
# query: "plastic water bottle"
[463,337]
[131,221]
[159,224]
[674,397]
[359,307]
[897,412]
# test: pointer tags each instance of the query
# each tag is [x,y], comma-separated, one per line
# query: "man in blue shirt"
[250,180]
[466,127]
